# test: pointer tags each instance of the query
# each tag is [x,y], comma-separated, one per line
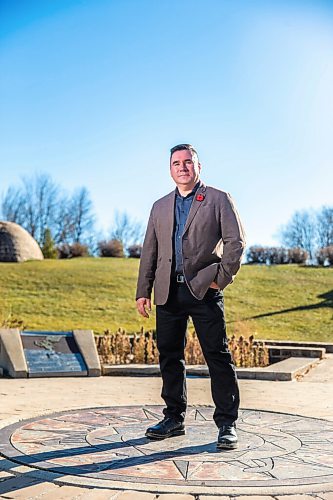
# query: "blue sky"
[95,92]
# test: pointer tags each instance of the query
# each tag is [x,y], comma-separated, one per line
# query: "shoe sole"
[231,446]
[159,437]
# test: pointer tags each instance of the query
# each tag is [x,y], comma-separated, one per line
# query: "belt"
[180,278]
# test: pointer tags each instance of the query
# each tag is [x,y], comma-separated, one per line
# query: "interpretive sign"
[52,353]
[48,354]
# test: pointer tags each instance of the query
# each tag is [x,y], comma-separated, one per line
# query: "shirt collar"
[191,193]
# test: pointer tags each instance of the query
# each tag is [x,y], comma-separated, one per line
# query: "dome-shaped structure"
[16,244]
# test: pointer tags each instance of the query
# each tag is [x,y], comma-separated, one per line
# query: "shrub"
[134,251]
[111,248]
[66,251]
[257,255]
[277,255]
[297,256]
[325,254]
[79,250]
[329,251]
[321,256]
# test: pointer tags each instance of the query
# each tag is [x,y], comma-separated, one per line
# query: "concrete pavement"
[311,396]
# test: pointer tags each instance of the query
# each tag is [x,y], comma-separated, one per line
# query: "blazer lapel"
[195,205]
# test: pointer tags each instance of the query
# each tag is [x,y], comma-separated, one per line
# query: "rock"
[16,244]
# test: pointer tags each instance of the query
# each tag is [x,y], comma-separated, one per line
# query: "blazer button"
[169,260]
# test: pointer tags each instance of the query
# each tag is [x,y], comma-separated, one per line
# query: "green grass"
[280,302]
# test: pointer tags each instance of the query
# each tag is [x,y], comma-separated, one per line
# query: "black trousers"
[209,323]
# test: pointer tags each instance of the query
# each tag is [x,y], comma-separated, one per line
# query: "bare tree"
[300,232]
[32,205]
[126,229]
[39,204]
[12,205]
[75,219]
[82,215]
[325,227]
[63,224]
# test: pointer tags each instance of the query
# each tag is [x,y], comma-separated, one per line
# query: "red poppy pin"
[200,197]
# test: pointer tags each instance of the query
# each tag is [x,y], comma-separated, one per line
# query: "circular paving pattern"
[106,447]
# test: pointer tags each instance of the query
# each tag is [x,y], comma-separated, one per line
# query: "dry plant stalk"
[246,352]
[114,348]
[121,348]
[9,321]
[139,348]
[151,348]
[193,352]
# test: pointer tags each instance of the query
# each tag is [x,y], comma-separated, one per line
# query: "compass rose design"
[109,444]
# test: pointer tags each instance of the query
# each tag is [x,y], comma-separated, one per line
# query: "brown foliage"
[276,255]
[297,255]
[66,251]
[257,255]
[134,251]
[325,255]
[121,348]
[111,248]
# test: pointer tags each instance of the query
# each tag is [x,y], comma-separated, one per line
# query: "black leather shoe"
[227,438]
[168,427]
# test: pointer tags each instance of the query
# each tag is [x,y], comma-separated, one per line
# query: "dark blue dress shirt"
[182,209]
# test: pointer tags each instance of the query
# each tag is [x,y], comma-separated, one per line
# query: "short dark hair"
[183,147]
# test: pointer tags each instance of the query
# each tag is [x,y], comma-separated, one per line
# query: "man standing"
[192,250]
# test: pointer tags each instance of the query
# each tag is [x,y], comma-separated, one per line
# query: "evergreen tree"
[48,248]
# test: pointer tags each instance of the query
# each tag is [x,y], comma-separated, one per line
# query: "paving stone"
[4,475]
[325,496]
[31,492]
[65,493]
[17,487]
[135,495]
[250,497]
[215,497]
[108,444]
[175,496]
[295,497]
[99,494]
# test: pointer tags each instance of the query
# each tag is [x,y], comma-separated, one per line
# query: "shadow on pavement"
[89,469]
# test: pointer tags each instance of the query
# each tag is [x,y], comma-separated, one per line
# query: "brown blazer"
[213,223]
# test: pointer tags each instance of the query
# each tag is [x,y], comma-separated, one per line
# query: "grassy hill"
[280,302]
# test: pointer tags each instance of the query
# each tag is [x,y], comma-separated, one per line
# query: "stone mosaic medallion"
[106,447]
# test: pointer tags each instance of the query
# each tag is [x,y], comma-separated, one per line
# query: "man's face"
[185,168]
